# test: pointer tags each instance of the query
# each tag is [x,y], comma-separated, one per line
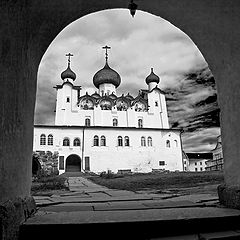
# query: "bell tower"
[67,95]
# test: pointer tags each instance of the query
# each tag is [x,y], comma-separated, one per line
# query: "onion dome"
[152,77]
[106,75]
[68,73]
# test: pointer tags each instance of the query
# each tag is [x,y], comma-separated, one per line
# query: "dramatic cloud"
[136,45]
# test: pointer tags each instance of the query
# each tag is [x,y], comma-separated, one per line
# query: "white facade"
[196,162]
[138,156]
[141,122]
[217,163]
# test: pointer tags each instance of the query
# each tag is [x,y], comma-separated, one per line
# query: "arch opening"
[73,163]
[36,166]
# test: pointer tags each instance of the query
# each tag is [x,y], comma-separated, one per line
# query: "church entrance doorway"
[73,163]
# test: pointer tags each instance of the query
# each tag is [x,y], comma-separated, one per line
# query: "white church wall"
[135,157]
[164,111]
[68,113]
[113,157]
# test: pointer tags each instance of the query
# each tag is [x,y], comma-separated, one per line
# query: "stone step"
[136,224]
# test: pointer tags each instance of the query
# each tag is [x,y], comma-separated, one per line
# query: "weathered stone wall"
[48,161]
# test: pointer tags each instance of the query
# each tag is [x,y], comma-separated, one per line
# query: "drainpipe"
[181,131]
[82,148]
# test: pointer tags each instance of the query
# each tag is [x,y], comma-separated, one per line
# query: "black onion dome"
[68,73]
[106,75]
[152,77]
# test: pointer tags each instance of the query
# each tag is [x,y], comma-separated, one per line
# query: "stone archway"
[73,163]
[28,27]
[36,166]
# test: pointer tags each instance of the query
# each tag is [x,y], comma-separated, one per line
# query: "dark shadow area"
[73,163]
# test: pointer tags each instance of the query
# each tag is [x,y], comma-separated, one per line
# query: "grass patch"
[160,181]
[48,183]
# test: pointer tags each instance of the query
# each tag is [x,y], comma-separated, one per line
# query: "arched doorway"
[36,166]
[73,163]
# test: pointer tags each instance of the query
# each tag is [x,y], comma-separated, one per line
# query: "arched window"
[43,139]
[87,122]
[66,142]
[115,122]
[103,141]
[120,141]
[76,142]
[143,141]
[149,140]
[50,139]
[168,143]
[140,123]
[95,141]
[126,141]
[176,143]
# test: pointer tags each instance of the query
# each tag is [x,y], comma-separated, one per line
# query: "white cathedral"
[105,131]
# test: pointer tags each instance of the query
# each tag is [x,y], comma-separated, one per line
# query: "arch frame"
[71,157]
[212,25]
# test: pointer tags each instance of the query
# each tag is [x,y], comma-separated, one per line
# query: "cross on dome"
[69,55]
[68,73]
[106,54]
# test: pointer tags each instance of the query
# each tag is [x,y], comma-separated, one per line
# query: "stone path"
[89,206]
[87,196]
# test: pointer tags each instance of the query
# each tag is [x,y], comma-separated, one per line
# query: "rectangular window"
[61,162]
[195,163]
[87,163]
[201,169]
[68,99]
[200,163]
[161,163]
[185,162]
[156,104]
[195,169]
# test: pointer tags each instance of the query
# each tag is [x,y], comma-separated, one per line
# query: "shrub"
[46,183]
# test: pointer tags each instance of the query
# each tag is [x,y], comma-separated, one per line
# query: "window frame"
[143,141]
[149,141]
[140,123]
[120,141]
[115,122]
[96,141]
[87,122]
[68,142]
[103,141]
[126,141]
[50,140]
[74,141]
[161,163]
[42,139]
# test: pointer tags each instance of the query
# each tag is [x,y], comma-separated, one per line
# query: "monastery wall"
[113,157]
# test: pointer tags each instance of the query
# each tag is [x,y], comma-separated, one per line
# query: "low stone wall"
[229,196]
[12,214]
[48,161]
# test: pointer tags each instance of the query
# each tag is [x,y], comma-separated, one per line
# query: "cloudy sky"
[137,44]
